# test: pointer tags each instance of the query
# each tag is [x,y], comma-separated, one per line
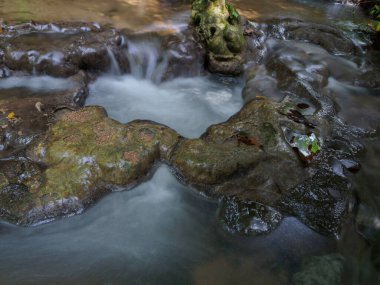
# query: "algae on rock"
[84,155]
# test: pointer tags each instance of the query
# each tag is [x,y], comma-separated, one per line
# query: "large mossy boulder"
[84,155]
[218,24]
[272,155]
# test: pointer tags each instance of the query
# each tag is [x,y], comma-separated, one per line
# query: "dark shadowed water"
[158,233]
[163,232]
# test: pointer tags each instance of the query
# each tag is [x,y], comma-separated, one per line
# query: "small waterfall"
[115,68]
[32,57]
[147,60]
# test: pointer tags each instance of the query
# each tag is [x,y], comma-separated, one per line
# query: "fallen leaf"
[307,146]
[11,116]
[38,106]
[248,140]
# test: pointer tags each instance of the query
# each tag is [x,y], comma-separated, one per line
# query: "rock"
[218,24]
[186,55]
[35,111]
[321,202]
[251,157]
[247,217]
[320,270]
[5,72]
[161,57]
[60,50]
[328,37]
[368,79]
[85,155]
[228,65]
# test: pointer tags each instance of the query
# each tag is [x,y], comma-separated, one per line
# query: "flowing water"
[158,233]
[188,105]
[162,232]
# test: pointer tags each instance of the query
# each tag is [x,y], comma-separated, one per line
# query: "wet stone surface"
[247,217]
[27,113]
[60,49]
[320,270]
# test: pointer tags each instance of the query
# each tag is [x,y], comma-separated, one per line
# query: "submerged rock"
[247,217]
[328,37]
[218,24]
[320,270]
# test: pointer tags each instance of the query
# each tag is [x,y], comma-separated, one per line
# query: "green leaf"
[234,15]
[377,26]
[306,145]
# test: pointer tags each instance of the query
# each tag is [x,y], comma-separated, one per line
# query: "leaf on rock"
[297,112]
[11,116]
[248,140]
[307,146]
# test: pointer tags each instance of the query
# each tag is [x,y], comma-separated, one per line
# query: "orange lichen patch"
[78,116]
[146,135]
[72,139]
[131,156]
[103,133]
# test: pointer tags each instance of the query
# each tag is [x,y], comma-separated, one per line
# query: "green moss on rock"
[86,155]
[218,25]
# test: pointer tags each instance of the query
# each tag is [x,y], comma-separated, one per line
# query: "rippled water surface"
[163,232]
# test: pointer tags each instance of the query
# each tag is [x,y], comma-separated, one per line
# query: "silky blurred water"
[188,105]
[161,232]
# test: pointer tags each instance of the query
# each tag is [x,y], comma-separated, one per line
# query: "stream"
[163,232]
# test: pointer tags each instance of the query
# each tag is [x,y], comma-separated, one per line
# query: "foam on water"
[188,105]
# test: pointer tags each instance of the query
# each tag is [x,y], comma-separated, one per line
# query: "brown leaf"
[248,141]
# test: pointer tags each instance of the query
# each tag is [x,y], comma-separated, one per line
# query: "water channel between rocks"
[162,231]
